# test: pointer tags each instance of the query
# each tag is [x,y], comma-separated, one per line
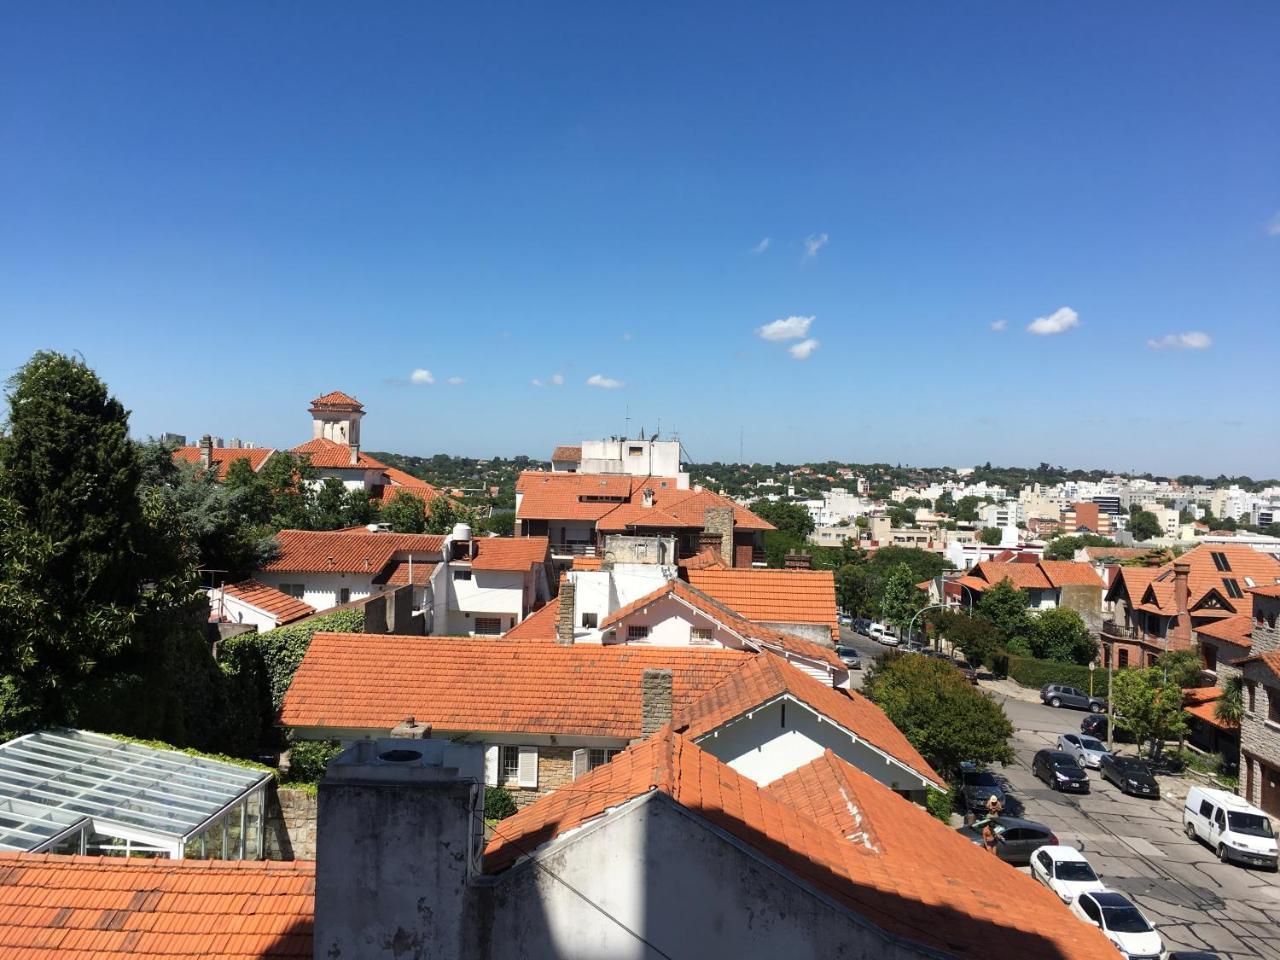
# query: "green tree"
[1064,548]
[967,508]
[1148,707]
[899,598]
[1230,706]
[1181,667]
[1144,525]
[976,636]
[939,712]
[790,518]
[501,522]
[924,564]
[1005,606]
[1061,634]
[945,504]
[406,513]
[991,536]
[900,517]
[443,513]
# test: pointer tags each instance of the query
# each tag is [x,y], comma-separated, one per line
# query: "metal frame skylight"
[55,783]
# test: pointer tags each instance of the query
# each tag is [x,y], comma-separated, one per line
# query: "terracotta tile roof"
[1062,573]
[224,457]
[510,553]
[347,551]
[1024,576]
[1271,590]
[587,563]
[768,677]
[559,496]
[774,596]
[1236,630]
[1270,660]
[67,908]
[336,398]
[401,482]
[1202,702]
[705,559]
[563,454]
[489,684]
[281,606]
[908,896]
[753,633]
[1203,578]
[402,572]
[328,455]
[539,625]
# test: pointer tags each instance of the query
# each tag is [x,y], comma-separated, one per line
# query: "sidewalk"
[1009,688]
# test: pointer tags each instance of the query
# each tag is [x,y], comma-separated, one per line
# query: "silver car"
[1087,750]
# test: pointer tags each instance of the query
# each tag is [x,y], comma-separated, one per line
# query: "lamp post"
[911,623]
[1093,665]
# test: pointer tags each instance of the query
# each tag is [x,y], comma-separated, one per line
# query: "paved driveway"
[1138,848]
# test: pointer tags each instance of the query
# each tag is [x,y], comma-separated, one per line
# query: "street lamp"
[912,622]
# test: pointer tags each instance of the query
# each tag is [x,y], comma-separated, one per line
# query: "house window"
[1122,658]
[635,451]
[598,758]
[296,590]
[637,633]
[508,764]
[700,635]
[589,620]
[488,626]
[1273,704]
[1253,706]
[461,575]
[1210,654]
[344,595]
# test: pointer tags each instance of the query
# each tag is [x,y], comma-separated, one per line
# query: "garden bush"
[308,759]
[941,804]
[498,803]
[1034,673]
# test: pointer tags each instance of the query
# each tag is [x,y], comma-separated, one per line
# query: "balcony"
[1120,631]
[574,548]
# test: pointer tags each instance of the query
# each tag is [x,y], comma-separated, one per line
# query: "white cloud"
[998,325]
[1060,321]
[803,349]
[1273,227]
[455,381]
[813,243]
[789,328]
[535,382]
[761,247]
[1191,340]
[421,376]
[603,382]
[557,379]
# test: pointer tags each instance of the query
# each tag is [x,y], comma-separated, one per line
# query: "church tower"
[336,416]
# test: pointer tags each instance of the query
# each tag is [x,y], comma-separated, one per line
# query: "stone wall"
[290,824]
[555,770]
[719,520]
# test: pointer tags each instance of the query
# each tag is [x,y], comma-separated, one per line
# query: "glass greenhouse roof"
[54,781]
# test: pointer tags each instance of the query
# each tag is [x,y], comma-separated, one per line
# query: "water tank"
[461,531]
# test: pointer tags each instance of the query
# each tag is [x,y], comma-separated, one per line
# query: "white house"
[488,584]
[257,604]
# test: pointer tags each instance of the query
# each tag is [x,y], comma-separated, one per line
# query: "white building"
[623,455]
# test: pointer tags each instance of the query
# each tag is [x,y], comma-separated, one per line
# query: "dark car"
[1060,771]
[1098,724]
[1017,839]
[849,657]
[1061,695]
[977,786]
[1131,775]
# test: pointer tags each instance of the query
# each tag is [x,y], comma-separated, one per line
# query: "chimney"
[355,453]
[798,560]
[565,623]
[720,520]
[655,700]
[411,729]
[399,825]
[206,452]
[646,499]
[1180,633]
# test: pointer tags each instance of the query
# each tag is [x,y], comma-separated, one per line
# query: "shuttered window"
[488,626]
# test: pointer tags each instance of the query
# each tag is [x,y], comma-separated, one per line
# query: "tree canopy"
[991,536]
[1144,525]
[1061,634]
[1064,548]
[1148,706]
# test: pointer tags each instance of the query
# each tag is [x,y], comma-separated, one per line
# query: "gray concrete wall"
[1084,600]
[816,632]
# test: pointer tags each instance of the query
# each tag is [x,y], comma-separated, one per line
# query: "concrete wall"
[817,632]
[322,589]
[236,611]
[1085,600]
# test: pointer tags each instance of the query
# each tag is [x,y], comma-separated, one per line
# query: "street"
[1137,846]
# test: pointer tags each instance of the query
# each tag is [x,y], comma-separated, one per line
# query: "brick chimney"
[1180,629]
[655,700]
[798,560]
[646,498]
[206,452]
[719,520]
[565,622]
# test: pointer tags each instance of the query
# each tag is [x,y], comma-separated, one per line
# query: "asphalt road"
[1137,846]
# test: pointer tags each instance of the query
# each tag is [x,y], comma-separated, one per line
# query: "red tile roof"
[1202,703]
[587,563]
[329,455]
[566,454]
[1270,660]
[1235,630]
[67,908]
[767,678]
[281,606]
[365,681]
[559,496]
[1269,590]
[401,482]
[773,596]
[348,551]
[539,625]
[704,559]
[224,457]
[1152,589]
[403,572]
[1024,576]
[1063,573]
[908,897]
[336,398]
[510,553]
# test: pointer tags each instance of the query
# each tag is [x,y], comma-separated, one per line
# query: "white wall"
[234,610]
[322,588]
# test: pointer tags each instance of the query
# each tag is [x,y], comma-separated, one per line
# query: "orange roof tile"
[1235,630]
[401,482]
[348,551]
[768,677]
[70,908]
[328,455]
[539,625]
[510,553]
[1024,576]
[1202,703]
[1270,660]
[281,606]
[774,596]
[224,457]
[489,684]
[1061,573]
[705,559]
[1269,590]
[567,454]
[403,572]
[903,894]
[336,398]
[587,563]
[1203,578]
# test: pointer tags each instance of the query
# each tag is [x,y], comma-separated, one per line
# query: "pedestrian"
[989,839]
[994,806]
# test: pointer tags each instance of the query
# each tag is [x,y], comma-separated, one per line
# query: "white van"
[1233,827]
[883,633]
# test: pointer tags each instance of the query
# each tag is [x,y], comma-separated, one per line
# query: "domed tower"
[336,416]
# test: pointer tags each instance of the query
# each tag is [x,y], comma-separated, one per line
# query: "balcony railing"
[573,548]
[1120,631]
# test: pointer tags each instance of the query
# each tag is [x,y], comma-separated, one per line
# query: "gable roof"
[509,553]
[400,482]
[1064,573]
[364,681]
[773,596]
[1235,630]
[281,606]
[336,398]
[347,551]
[1024,576]
[1270,590]
[1204,579]
[400,573]
[82,907]
[329,455]
[902,903]
[767,677]
[539,625]
[1270,660]
[224,457]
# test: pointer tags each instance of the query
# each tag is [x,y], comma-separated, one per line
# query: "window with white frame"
[508,764]
[637,633]
[599,757]
[700,635]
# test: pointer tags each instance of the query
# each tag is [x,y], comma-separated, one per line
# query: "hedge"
[1034,673]
[281,650]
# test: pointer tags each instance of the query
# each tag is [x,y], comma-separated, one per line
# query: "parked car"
[1061,695]
[1097,725]
[845,620]
[883,633]
[977,786]
[966,668]
[1234,828]
[1087,751]
[849,657]
[862,625]
[1065,871]
[1017,839]
[1060,771]
[1124,924]
[1131,775]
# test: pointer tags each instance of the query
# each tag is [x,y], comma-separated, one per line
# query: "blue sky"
[231,208]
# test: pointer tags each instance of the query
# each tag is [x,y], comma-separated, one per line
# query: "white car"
[882,633]
[1066,872]
[1124,924]
[1087,750]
